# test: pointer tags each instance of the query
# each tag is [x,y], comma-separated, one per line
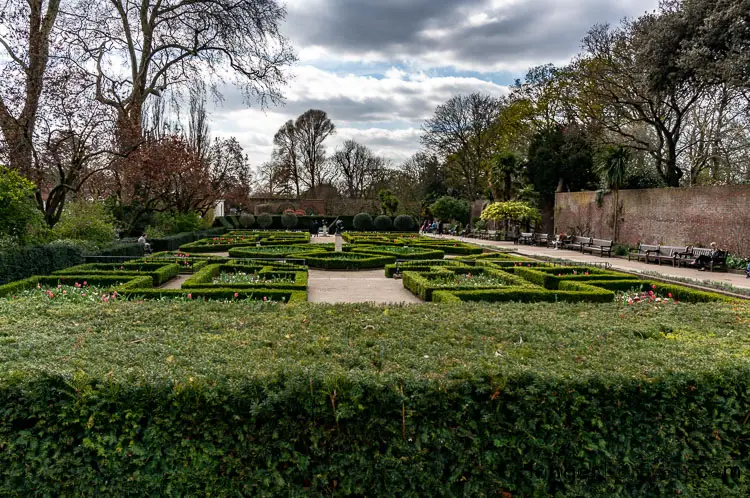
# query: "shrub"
[449,208]
[122,249]
[404,223]
[620,250]
[345,261]
[19,217]
[247,220]
[173,223]
[383,223]
[265,220]
[223,222]
[83,220]
[22,262]
[289,220]
[363,222]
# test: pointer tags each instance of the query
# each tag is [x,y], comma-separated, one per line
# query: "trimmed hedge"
[18,263]
[216,294]
[204,278]
[404,223]
[421,401]
[422,266]
[101,280]
[362,222]
[421,252]
[345,261]
[576,293]
[273,251]
[123,250]
[159,272]
[420,283]
[173,242]
[222,221]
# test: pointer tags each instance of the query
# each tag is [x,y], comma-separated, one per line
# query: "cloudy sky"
[380,67]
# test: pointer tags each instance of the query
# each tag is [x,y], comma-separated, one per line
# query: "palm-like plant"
[613,167]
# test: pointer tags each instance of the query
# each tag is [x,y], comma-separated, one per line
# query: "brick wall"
[672,216]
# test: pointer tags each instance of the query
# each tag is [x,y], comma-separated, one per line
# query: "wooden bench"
[577,243]
[671,253]
[644,251]
[526,238]
[717,262]
[601,246]
[541,239]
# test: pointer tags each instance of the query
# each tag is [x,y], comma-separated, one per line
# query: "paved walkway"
[175,283]
[667,271]
[356,287]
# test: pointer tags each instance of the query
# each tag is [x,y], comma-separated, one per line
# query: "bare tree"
[461,132]
[312,128]
[139,49]
[357,167]
[26,30]
[286,153]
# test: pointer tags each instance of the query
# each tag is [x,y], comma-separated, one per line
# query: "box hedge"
[414,253]
[345,261]
[421,266]
[159,272]
[205,278]
[420,283]
[218,294]
[17,263]
[456,400]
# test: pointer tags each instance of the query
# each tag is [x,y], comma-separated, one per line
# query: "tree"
[626,93]
[388,202]
[511,211]
[505,174]
[312,128]
[138,49]
[357,167]
[613,168]
[26,33]
[450,208]
[460,131]
[286,153]
[18,215]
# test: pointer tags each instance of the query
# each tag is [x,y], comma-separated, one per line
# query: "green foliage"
[83,220]
[19,217]
[204,278]
[514,211]
[346,260]
[449,208]
[264,220]
[620,250]
[170,223]
[363,222]
[388,202]
[383,223]
[247,220]
[17,263]
[122,249]
[419,401]
[289,220]
[402,252]
[222,221]
[158,271]
[404,223]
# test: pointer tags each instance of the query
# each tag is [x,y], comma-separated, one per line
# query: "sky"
[379,68]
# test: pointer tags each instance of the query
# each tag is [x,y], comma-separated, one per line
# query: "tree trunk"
[129,127]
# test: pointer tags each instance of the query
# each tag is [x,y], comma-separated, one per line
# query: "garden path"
[356,287]
[667,271]
[175,283]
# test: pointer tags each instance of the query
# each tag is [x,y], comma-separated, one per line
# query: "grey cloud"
[534,30]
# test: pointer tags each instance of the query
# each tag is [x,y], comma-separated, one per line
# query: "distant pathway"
[356,287]
[175,283]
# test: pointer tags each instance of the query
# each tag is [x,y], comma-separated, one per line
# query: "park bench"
[644,251]
[717,262]
[526,238]
[541,239]
[577,243]
[601,246]
[671,253]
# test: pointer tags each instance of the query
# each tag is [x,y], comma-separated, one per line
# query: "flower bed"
[273,251]
[159,271]
[245,277]
[423,284]
[346,260]
[422,266]
[401,252]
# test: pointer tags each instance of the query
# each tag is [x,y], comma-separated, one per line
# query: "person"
[703,261]
[315,228]
[143,242]
[747,270]
[440,227]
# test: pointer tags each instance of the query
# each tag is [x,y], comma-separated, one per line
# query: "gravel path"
[356,287]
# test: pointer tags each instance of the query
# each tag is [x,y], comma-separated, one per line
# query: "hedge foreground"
[232,399]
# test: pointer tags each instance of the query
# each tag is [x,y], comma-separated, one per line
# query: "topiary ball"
[404,223]
[289,220]
[383,223]
[363,222]
[265,220]
[247,220]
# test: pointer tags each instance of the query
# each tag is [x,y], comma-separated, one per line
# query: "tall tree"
[312,129]
[287,152]
[357,167]
[26,32]
[460,131]
[138,49]
[613,168]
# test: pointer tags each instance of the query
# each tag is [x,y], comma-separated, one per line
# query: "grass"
[132,339]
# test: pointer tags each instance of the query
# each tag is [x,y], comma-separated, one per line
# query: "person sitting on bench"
[704,261]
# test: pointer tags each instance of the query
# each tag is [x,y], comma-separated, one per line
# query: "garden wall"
[672,216]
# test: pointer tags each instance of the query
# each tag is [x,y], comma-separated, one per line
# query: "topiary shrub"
[247,220]
[383,223]
[265,220]
[403,223]
[363,222]
[289,220]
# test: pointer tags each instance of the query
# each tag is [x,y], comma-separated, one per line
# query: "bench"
[599,245]
[671,253]
[577,243]
[526,238]
[644,251]
[541,239]
[717,262]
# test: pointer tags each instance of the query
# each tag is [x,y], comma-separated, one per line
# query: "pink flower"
[575,272]
[265,298]
[236,294]
[84,283]
[190,296]
[83,294]
[669,295]
[65,292]
[653,286]
[59,286]
[38,286]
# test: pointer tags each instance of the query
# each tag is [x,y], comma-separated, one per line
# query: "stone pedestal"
[339,242]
